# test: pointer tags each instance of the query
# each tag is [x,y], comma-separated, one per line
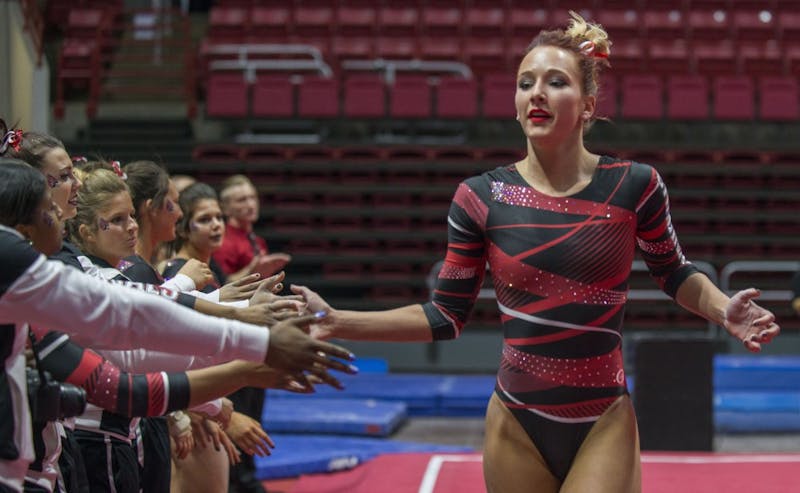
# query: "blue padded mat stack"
[465,395]
[368,417]
[306,454]
[756,393]
[333,430]
[420,393]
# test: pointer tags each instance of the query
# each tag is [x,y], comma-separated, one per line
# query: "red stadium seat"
[669,57]
[485,55]
[485,22]
[440,48]
[642,97]
[754,24]
[356,20]
[270,24]
[665,24]
[364,96]
[525,21]
[85,23]
[498,96]
[733,98]
[228,24]
[442,21]
[761,57]
[687,97]
[607,105]
[628,57]
[226,95]
[788,25]
[715,57]
[398,21]
[709,24]
[778,98]
[624,25]
[318,97]
[456,97]
[352,48]
[410,97]
[314,22]
[396,47]
[273,96]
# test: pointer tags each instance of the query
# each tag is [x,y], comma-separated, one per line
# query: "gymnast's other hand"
[748,322]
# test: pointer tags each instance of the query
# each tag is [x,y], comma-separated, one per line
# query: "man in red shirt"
[242,251]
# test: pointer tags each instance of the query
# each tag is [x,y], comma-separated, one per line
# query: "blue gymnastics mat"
[748,412]
[465,395]
[420,393]
[758,373]
[423,394]
[294,455]
[368,417]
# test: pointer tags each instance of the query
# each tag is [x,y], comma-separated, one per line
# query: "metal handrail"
[391,67]
[760,266]
[249,67]
[243,50]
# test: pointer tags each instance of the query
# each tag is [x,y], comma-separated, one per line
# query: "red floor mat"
[661,473]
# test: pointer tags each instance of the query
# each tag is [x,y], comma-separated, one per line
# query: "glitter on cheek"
[103,224]
[52,181]
[193,226]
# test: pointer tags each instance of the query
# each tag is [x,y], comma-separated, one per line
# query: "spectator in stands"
[559,230]
[243,252]
[796,295]
[34,290]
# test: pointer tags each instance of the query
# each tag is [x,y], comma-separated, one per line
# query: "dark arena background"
[356,120]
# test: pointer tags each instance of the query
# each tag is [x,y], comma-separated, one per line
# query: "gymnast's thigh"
[608,460]
[511,463]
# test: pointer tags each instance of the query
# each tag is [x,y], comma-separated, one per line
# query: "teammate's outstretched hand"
[241,289]
[292,350]
[750,323]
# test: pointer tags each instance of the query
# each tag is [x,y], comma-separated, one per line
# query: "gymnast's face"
[57,170]
[549,100]
[47,229]
[206,226]
[165,217]
[114,236]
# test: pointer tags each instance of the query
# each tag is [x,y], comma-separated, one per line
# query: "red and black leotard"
[560,268]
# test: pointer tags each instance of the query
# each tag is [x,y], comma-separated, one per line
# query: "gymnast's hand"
[264,377]
[198,271]
[240,289]
[249,436]
[292,350]
[748,322]
[322,329]
[268,291]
